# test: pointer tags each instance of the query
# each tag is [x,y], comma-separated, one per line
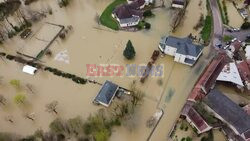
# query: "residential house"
[194,118]
[183,50]
[106,94]
[130,14]
[146,2]
[229,112]
[179,3]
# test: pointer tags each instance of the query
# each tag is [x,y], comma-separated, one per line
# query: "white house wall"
[180,58]
[177,6]
[170,50]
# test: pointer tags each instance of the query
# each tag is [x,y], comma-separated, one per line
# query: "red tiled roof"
[244,70]
[237,45]
[197,120]
[247,109]
[136,4]
[208,78]
[128,10]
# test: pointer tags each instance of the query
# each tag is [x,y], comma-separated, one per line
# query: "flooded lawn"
[235,20]
[191,18]
[90,43]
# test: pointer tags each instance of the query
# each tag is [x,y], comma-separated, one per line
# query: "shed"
[29,69]
[106,94]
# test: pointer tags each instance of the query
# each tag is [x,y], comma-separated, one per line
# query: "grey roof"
[107,93]
[129,20]
[125,11]
[189,61]
[183,45]
[228,110]
[180,2]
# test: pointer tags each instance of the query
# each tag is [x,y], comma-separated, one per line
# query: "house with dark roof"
[194,118]
[130,14]
[179,3]
[183,49]
[229,112]
[106,94]
[147,2]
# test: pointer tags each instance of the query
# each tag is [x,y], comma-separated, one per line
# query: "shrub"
[102,135]
[210,137]
[19,99]
[57,126]
[147,25]
[11,34]
[64,3]
[245,25]
[247,40]
[148,13]
[28,24]
[129,51]
[189,139]
[227,38]
[15,83]
[2,54]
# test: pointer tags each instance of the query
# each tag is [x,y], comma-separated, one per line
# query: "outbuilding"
[29,69]
[106,94]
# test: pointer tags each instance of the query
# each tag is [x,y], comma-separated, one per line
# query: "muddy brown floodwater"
[90,43]
[235,20]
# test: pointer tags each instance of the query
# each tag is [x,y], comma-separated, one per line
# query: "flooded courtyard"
[91,43]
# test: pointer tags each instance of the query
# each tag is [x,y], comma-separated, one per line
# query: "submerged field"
[90,43]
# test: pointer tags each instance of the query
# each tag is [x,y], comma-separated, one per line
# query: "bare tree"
[1,80]
[30,116]
[51,107]
[9,119]
[2,100]
[30,88]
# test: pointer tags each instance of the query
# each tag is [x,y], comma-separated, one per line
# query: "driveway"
[218,25]
[241,35]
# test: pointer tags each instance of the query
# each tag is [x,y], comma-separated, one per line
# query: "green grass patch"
[247,40]
[223,12]
[227,38]
[207,29]
[106,18]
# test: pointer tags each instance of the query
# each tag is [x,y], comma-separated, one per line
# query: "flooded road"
[90,43]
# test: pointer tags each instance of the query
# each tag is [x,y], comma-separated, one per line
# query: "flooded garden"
[91,43]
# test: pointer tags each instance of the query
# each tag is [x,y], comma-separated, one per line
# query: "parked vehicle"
[236,29]
[248,36]
[219,45]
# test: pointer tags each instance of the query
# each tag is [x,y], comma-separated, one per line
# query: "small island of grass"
[106,18]
[207,29]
